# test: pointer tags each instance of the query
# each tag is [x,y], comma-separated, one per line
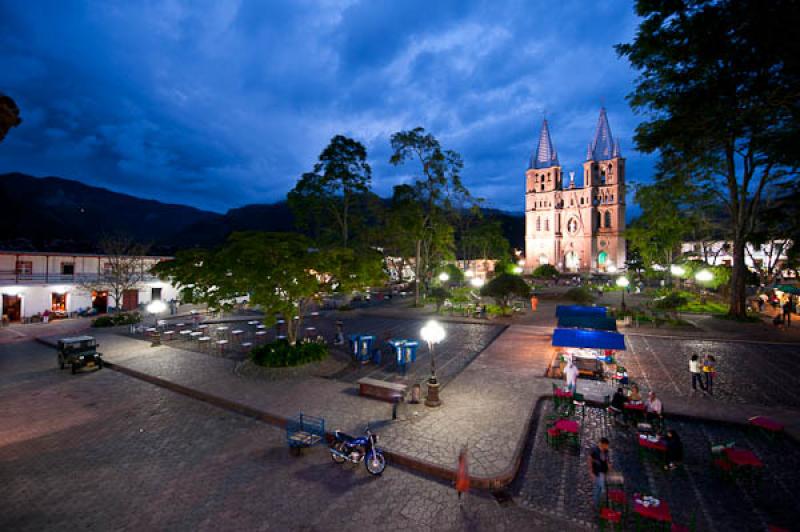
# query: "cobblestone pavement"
[558,481]
[486,407]
[103,451]
[761,374]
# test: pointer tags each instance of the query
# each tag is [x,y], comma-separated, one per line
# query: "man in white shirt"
[571,374]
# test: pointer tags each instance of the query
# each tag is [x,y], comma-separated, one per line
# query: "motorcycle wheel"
[375,463]
[336,457]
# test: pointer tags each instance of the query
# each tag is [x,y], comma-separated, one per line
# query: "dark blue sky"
[219,104]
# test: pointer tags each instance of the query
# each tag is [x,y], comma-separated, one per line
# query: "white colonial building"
[64,284]
[768,257]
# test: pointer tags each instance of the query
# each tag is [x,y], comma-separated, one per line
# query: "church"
[576,228]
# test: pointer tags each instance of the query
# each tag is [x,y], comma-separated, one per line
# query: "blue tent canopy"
[579,310]
[588,339]
[601,323]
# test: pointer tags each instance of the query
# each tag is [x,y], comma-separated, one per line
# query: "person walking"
[697,373]
[462,473]
[599,465]
[709,370]
[571,373]
[674,450]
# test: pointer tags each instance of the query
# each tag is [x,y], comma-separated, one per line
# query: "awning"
[789,289]
[588,339]
[600,323]
[579,310]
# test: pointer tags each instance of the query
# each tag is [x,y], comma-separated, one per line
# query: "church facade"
[576,228]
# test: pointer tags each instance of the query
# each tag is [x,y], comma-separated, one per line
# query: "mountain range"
[57,214]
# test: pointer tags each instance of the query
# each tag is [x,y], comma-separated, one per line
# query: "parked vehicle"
[79,352]
[362,449]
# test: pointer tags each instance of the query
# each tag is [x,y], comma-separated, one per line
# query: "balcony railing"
[12,277]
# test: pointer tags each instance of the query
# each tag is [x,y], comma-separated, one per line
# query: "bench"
[383,390]
[304,431]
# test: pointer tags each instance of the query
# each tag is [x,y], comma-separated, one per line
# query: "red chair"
[610,517]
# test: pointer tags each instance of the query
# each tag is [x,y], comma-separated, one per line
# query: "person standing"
[697,373]
[787,312]
[599,464]
[571,374]
[462,474]
[709,369]
[674,449]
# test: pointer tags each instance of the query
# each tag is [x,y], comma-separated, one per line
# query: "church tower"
[574,228]
[604,173]
[542,180]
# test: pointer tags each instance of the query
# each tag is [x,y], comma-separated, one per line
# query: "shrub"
[439,294]
[281,354]
[112,320]
[671,301]
[579,295]
[545,271]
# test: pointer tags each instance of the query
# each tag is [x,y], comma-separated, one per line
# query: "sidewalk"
[488,406]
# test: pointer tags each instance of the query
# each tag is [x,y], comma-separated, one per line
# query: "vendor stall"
[589,349]
[579,310]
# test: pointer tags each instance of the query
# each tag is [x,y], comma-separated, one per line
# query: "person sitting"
[674,449]
[635,396]
[654,409]
[617,405]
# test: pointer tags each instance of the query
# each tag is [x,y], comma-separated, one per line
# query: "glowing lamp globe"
[432,332]
[156,307]
[517,269]
[704,276]
[444,277]
[477,282]
[623,282]
[677,270]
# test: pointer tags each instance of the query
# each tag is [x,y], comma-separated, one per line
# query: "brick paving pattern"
[102,451]
[558,481]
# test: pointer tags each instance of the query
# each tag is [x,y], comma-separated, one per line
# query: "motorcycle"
[346,448]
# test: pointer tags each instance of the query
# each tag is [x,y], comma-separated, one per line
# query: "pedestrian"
[697,373]
[761,303]
[674,449]
[338,338]
[462,474]
[599,465]
[571,374]
[709,370]
[787,312]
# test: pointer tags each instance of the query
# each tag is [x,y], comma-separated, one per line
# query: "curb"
[421,466]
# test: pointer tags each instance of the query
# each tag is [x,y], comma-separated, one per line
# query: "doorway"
[130,299]
[12,307]
[100,302]
[58,302]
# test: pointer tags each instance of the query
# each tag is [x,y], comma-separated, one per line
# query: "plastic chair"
[610,517]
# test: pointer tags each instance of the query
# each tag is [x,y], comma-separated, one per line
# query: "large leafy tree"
[9,115]
[504,288]
[720,85]
[201,277]
[323,200]
[435,187]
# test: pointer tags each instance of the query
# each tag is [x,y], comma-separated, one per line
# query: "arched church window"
[597,220]
[547,224]
[542,187]
[607,220]
[602,177]
[538,224]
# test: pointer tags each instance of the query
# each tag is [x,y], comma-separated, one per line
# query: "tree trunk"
[738,294]
[416,275]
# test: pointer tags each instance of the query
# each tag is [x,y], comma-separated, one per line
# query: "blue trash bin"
[410,349]
[364,348]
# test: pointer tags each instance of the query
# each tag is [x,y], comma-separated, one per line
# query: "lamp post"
[623,283]
[432,333]
[703,277]
[678,271]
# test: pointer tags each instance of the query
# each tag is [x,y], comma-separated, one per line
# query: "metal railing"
[13,277]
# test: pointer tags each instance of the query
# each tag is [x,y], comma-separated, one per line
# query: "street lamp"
[469,273]
[703,277]
[623,283]
[518,269]
[433,333]
[611,268]
[477,282]
[444,277]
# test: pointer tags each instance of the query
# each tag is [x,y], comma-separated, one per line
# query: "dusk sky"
[218,104]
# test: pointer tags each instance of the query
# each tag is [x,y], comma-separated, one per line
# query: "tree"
[504,288]
[485,240]
[124,268]
[720,86]
[329,192]
[202,278]
[9,115]
[545,271]
[439,294]
[433,192]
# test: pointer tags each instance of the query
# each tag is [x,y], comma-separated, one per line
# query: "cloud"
[219,104]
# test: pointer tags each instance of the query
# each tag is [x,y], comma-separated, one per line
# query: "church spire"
[545,155]
[603,146]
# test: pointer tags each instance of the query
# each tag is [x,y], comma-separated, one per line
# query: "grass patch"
[281,354]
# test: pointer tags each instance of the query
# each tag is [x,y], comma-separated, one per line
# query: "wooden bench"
[383,390]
